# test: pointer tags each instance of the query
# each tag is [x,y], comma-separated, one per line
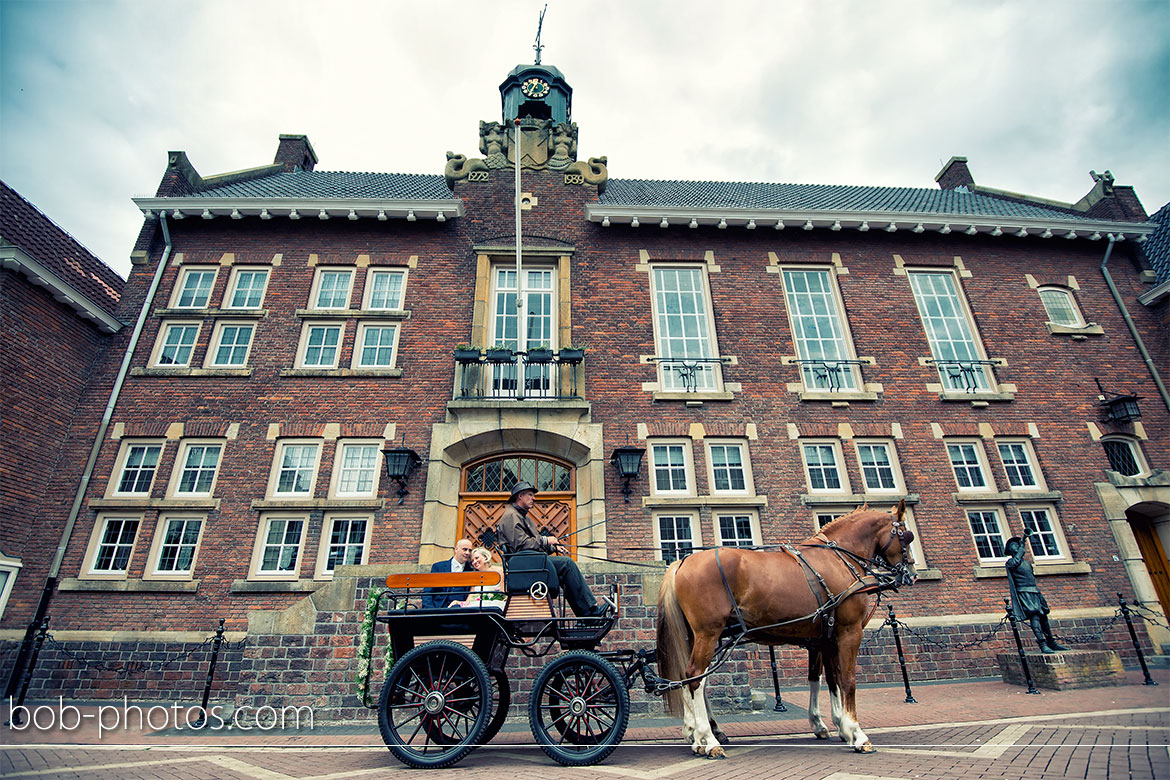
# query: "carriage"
[447,691]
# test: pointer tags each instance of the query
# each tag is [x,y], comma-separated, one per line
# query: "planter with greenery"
[541,353]
[465,353]
[498,354]
[572,354]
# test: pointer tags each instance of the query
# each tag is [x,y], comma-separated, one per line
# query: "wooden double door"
[486,484]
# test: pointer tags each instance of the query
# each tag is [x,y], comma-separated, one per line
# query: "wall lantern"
[400,462]
[1118,407]
[628,461]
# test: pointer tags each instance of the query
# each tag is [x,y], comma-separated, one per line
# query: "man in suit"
[518,533]
[438,598]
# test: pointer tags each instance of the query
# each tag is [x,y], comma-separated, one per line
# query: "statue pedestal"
[1065,670]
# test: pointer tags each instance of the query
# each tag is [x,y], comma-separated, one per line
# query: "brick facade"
[1047,398]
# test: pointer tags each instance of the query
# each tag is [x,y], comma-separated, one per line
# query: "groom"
[438,598]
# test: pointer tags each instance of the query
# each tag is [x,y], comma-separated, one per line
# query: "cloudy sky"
[1034,92]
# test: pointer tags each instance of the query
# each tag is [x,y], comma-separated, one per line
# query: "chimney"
[295,153]
[955,174]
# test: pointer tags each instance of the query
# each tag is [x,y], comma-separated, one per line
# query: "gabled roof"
[1157,248]
[55,260]
[817,197]
[336,184]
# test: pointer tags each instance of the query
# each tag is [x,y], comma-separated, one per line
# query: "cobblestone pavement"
[959,731]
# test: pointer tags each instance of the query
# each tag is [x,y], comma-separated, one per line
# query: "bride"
[484,595]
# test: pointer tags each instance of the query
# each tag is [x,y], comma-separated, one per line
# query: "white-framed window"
[1019,464]
[176,343]
[175,546]
[1046,540]
[535,327]
[247,287]
[356,469]
[136,468]
[821,519]
[376,346]
[193,287]
[331,288]
[684,329]
[957,353]
[968,463]
[294,468]
[729,468]
[671,467]
[9,569]
[277,552]
[196,468]
[819,330]
[1125,456]
[345,541]
[1061,307]
[878,463]
[112,546]
[384,289]
[736,529]
[675,535]
[823,467]
[987,529]
[230,344]
[320,344]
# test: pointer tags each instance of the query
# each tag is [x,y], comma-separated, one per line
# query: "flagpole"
[520,342]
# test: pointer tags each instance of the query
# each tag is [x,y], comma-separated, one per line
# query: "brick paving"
[971,730]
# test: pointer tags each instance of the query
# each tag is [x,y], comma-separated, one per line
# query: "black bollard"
[901,657]
[776,682]
[1136,645]
[1019,646]
[215,644]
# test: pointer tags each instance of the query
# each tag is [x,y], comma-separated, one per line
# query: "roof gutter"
[1130,324]
[17,673]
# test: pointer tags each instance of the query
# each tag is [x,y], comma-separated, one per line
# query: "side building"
[779,354]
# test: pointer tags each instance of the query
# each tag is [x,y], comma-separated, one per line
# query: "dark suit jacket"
[438,598]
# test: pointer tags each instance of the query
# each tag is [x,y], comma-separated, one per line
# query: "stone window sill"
[342,372]
[275,586]
[155,503]
[365,314]
[129,585]
[318,503]
[1039,496]
[250,313]
[730,502]
[975,399]
[662,395]
[857,499]
[836,398]
[984,571]
[216,372]
[1091,329]
[929,574]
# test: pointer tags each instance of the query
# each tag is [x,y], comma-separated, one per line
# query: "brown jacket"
[518,533]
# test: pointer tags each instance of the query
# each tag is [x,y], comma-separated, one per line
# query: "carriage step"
[467,640]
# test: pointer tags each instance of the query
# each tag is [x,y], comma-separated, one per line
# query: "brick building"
[782,353]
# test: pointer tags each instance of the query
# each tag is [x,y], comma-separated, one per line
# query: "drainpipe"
[47,594]
[1129,323]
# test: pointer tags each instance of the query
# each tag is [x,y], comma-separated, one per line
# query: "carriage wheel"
[501,699]
[435,705]
[579,708]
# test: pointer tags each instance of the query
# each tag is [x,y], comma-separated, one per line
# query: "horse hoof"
[822,734]
[716,752]
[866,748]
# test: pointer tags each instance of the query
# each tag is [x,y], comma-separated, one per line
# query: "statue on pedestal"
[1028,602]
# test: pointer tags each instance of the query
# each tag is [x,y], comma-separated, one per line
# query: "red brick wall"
[611,315]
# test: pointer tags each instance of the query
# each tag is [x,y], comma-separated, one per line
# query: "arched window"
[1061,307]
[499,474]
[1124,456]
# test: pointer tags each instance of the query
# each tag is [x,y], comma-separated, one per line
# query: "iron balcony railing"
[832,376]
[693,373]
[969,376]
[518,379]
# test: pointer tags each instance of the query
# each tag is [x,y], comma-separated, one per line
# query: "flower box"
[466,355]
[572,355]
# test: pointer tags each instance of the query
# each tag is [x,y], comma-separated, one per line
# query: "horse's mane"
[849,516]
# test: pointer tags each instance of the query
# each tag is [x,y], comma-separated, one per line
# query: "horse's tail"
[674,644]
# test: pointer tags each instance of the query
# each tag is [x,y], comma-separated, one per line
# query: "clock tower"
[536,92]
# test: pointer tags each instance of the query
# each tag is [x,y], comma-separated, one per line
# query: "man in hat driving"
[518,533]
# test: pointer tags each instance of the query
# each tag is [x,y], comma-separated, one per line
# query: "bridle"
[902,571]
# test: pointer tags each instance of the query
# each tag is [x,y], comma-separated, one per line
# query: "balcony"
[521,377]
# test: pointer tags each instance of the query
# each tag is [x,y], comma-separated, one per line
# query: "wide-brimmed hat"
[520,487]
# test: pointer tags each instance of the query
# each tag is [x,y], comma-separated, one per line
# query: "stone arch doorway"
[485,485]
[1150,522]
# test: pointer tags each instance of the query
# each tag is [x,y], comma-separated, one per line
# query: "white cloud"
[1034,92]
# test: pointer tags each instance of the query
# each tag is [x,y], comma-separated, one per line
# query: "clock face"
[535,87]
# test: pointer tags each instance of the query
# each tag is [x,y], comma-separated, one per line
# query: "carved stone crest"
[544,146]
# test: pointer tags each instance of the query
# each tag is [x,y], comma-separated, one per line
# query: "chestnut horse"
[817,594]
